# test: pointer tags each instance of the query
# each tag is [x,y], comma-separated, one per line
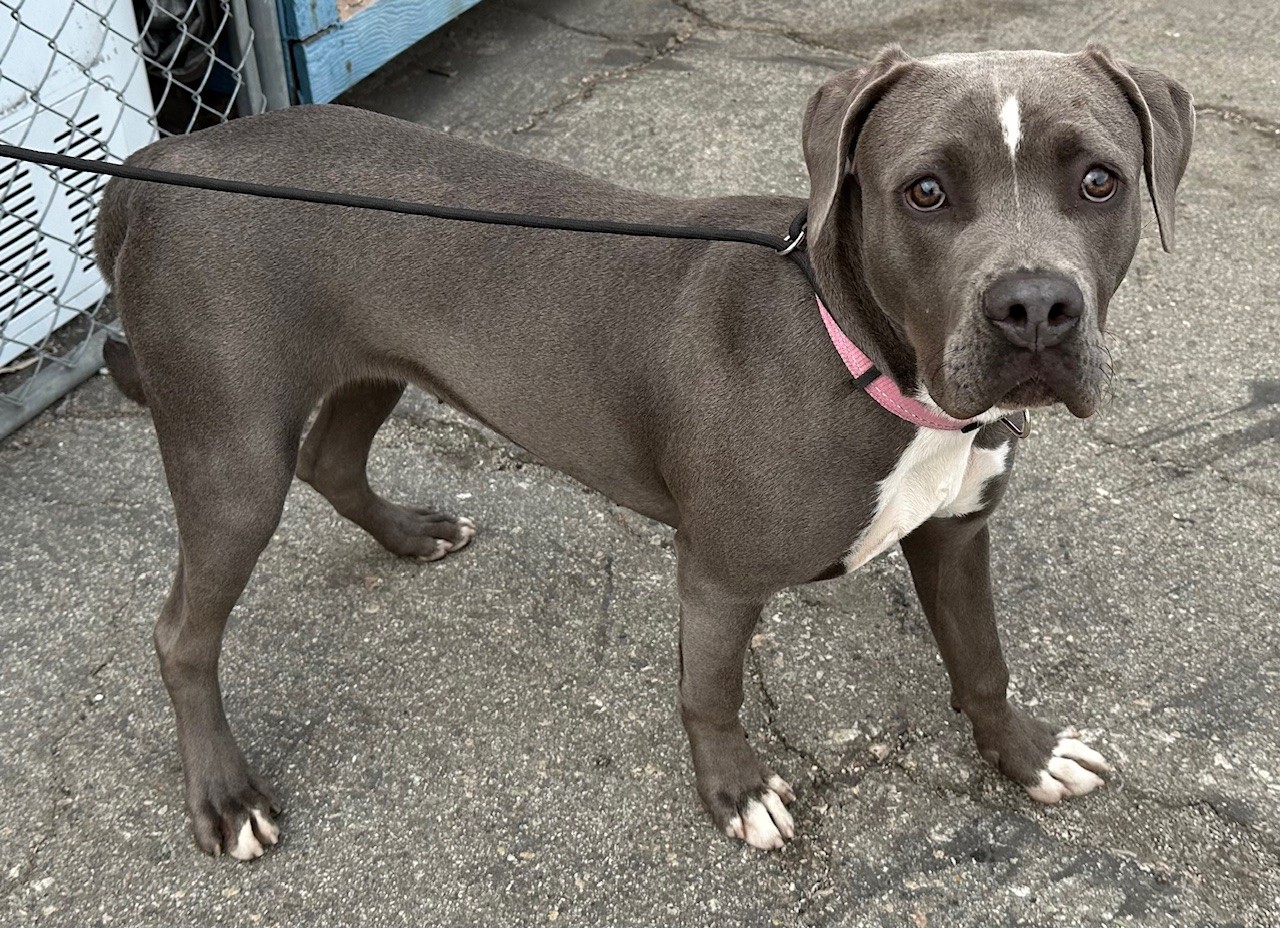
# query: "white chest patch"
[940,475]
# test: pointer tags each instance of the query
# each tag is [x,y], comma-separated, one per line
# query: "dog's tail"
[108,241]
[109,232]
[124,368]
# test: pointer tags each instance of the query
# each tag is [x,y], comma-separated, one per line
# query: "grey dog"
[970,217]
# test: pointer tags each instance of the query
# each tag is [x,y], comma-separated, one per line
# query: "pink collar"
[883,390]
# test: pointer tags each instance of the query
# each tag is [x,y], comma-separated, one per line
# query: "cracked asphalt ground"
[493,738]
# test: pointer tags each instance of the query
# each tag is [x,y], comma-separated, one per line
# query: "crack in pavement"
[705,20]
[1268,129]
[1174,470]
[589,82]
[813,871]
[19,878]
[1268,844]
[1263,126]
[18,882]
[775,729]
[569,27]
[675,41]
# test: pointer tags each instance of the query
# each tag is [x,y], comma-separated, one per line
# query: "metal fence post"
[269,52]
[253,100]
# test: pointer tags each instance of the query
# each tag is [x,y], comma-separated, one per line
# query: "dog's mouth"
[1028,380]
[1030,394]
[1067,377]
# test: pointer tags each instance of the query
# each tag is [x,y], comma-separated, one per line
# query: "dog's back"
[211,285]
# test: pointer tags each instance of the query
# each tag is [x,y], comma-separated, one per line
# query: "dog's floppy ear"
[1167,117]
[832,120]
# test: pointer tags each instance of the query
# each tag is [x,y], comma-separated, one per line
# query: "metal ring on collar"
[792,243]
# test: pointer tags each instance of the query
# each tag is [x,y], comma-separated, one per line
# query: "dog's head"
[991,204]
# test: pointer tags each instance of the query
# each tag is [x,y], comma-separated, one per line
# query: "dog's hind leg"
[228,478]
[334,460]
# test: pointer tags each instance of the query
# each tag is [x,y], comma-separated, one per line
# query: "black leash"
[788,246]
[791,246]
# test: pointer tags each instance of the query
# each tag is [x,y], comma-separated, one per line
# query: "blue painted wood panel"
[343,52]
[301,19]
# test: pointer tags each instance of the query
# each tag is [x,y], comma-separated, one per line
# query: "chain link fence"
[94,79]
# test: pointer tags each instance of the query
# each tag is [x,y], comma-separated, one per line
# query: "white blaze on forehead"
[1011,124]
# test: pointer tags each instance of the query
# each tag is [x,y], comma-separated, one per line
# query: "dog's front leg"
[950,564]
[745,798]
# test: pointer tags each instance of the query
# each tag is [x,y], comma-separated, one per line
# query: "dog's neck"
[837,265]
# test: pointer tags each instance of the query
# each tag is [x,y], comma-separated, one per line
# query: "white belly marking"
[940,474]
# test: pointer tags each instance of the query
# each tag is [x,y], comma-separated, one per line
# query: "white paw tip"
[1076,778]
[1077,750]
[761,832]
[734,828]
[439,551]
[246,846]
[1047,789]
[781,817]
[268,829]
[782,788]
[1073,770]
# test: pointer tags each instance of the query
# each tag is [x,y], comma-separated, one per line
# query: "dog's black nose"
[1033,310]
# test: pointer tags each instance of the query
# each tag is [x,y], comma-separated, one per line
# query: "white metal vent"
[72,83]
[26,277]
[79,188]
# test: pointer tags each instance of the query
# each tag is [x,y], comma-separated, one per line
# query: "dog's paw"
[437,534]
[466,531]
[746,799]
[258,832]
[419,533]
[1051,767]
[761,818]
[757,815]
[1073,769]
[235,819]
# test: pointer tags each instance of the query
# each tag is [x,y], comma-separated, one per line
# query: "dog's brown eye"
[1098,185]
[926,194]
